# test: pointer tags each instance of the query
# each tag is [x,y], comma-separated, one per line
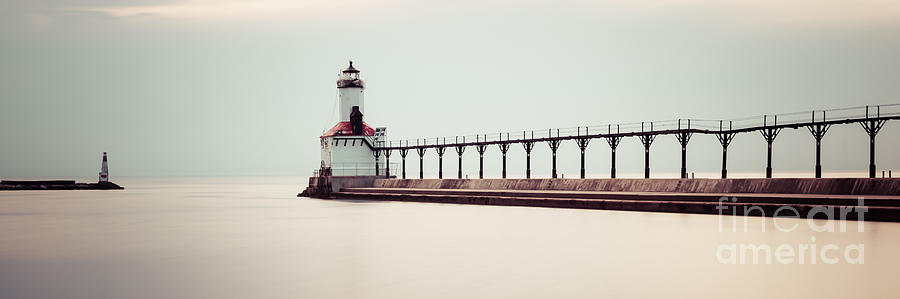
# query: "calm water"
[252,238]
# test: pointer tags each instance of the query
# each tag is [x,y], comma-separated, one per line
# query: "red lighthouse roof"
[344,128]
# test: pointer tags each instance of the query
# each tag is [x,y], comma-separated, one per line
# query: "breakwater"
[8,185]
[841,186]
[880,198]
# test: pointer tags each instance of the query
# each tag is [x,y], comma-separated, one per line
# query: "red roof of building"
[344,128]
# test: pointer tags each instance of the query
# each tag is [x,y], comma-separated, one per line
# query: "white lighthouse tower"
[348,148]
[350,92]
[104,170]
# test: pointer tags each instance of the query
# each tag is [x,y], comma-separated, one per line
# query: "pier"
[854,198]
[351,166]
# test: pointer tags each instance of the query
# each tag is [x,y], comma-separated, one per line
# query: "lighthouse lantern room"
[348,148]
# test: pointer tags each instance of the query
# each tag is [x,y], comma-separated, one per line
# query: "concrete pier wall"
[339,182]
[324,186]
[838,186]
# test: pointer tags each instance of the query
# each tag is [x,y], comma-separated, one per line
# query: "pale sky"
[226,87]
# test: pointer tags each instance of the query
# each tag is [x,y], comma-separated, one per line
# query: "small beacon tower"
[104,170]
[348,148]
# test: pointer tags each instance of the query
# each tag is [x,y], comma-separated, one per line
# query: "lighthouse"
[104,170]
[348,148]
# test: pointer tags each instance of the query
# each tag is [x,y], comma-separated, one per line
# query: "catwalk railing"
[356,169]
[871,118]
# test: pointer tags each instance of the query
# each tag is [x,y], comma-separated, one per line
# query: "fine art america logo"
[789,219]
